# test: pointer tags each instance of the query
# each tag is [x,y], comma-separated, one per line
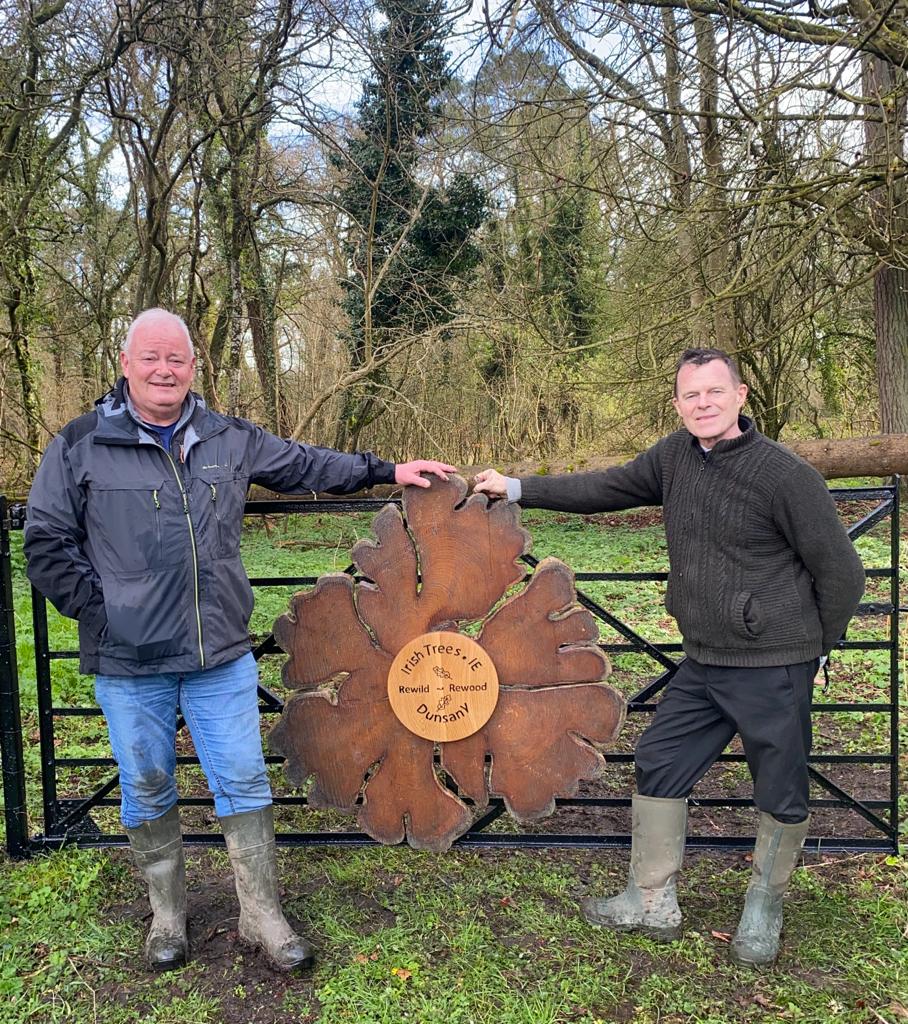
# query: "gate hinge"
[15,517]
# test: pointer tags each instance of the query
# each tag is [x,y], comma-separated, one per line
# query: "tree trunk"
[678,162]
[31,396]
[885,140]
[879,456]
[235,350]
[716,259]
[261,327]
[890,306]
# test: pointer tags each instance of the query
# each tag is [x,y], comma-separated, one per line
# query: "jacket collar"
[748,435]
[119,423]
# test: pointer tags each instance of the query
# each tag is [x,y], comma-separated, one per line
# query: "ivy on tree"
[410,227]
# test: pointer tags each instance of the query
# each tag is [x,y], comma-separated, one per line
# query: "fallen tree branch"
[881,456]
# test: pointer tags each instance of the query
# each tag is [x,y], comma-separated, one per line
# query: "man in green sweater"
[763,580]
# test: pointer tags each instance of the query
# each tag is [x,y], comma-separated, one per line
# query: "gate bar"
[11,754]
[894,694]
[45,710]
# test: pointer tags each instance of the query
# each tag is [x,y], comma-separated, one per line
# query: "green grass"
[462,938]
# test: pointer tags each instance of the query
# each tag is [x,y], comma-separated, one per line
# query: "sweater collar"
[747,436]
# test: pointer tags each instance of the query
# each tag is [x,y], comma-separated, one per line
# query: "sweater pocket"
[747,618]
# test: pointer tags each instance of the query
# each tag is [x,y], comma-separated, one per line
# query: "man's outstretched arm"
[638,482]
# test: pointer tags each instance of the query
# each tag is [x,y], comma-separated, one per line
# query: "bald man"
[133,529]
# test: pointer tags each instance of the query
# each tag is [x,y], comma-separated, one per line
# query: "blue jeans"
[220,706]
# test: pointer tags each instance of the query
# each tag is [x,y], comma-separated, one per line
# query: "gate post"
[11,758]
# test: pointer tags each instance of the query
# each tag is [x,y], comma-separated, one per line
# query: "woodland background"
[479,232]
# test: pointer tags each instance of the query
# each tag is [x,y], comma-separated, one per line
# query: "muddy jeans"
[220,706]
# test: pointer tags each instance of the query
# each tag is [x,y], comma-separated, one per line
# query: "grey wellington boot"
[649,903]
[250,843]
[157,847]
[778,847]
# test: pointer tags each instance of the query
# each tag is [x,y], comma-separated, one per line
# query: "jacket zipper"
[157,521]
[195,558]
[217,514]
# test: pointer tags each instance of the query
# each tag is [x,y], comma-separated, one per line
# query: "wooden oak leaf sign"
[386,678]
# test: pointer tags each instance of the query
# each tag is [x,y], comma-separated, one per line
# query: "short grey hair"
[151,314]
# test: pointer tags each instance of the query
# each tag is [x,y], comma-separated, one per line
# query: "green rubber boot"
[649,904]
[778,847]
[250,843]
[157,847]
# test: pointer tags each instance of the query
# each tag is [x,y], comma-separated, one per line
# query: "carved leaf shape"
[552,711]
[323,634]
[540,740]
[354,750]
[467,559]
[347,738]
[541,636]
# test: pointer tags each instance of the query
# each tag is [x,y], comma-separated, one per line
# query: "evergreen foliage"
[410,239]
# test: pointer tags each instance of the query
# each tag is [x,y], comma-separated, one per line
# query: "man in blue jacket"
[133,529]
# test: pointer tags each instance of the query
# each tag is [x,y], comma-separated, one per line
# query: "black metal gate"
[68,819]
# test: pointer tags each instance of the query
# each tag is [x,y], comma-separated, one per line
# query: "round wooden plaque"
[443,686]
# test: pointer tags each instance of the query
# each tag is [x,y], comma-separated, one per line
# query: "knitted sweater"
[761,570]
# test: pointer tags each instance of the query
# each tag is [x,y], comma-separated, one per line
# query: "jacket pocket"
[124,523]
[227,617]
[224,496]
[147,615]
[747,618]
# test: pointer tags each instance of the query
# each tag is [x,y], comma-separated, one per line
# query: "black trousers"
[702,709]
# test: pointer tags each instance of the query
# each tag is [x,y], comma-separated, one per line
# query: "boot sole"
[749,961]
[656,934]
[301,965]
[160,966]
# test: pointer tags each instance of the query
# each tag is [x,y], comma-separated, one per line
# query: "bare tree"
[52,54]
[807,84]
